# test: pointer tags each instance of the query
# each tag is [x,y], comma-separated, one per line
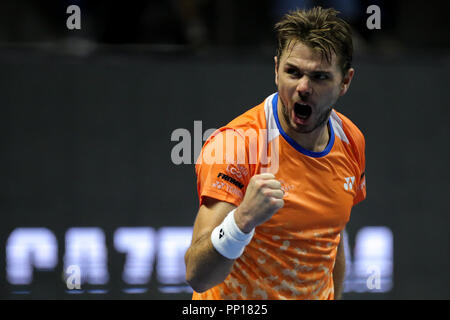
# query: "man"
[272,212]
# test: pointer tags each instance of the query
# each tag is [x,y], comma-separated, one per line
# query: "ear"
[276,69]
[345,84]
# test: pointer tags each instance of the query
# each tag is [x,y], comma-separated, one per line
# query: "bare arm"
[205,267]
[339,270]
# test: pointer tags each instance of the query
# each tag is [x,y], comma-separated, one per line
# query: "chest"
[319,192]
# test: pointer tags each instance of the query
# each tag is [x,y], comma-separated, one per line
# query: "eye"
[321,76]
[292,71]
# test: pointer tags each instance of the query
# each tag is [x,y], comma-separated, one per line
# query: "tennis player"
[273,209]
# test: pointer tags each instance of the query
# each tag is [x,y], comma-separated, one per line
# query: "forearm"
[205,267]
[209,264]
[339,270]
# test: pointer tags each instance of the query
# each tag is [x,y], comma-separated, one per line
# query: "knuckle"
[275,183]
[254,183]
[266,193]
[274,203]
[277,203]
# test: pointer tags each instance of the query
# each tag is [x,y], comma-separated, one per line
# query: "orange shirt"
[292,255]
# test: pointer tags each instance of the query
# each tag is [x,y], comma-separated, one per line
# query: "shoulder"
[348,131]
[233,139]
[251,120]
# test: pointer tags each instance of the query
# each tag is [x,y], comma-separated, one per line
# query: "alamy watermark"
[373,281]
[73,22]
[226,146]
[374,20]
[73,277]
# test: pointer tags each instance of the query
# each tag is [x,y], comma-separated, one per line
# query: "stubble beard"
[321,119]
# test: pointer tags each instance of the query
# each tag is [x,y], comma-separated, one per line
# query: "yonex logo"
[349,181]
[221,233]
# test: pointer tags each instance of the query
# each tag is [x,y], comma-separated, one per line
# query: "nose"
[304,87]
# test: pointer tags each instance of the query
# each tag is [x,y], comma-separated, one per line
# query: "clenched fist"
[262,199]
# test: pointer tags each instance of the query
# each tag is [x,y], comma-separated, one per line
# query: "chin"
[301,128]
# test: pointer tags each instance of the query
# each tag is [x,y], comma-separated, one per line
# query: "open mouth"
[303,111]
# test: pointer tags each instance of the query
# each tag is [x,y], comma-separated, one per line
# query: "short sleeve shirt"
[292,255]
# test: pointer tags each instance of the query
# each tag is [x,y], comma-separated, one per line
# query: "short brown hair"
[319,29]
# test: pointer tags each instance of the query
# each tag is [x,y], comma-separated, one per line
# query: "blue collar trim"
[294,144]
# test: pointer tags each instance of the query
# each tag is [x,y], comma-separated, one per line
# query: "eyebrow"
[312,72]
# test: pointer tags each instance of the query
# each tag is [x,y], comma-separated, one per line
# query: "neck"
[315,141]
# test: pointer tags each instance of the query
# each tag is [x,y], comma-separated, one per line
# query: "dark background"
[87,116]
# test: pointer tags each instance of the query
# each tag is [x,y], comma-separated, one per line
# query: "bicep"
[341,243]
[339,264]
[340,254]
[210,215]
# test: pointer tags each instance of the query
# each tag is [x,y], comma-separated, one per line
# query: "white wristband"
[228,239]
